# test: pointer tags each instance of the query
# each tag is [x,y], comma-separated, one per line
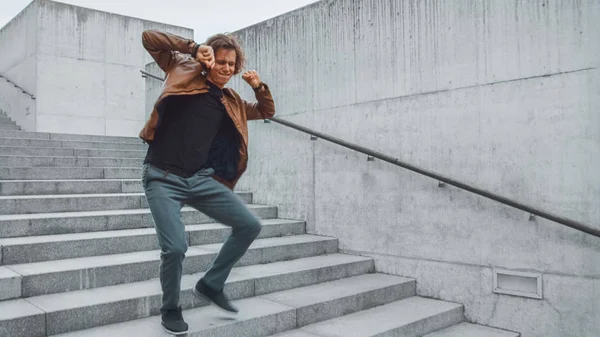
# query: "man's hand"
[206,55]
[251,77]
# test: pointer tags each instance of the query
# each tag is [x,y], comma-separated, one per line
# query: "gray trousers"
[166,195]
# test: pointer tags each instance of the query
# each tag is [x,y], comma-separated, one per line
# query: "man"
[198,149]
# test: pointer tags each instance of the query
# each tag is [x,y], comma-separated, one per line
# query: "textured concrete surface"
[209,233]
[328,270]
[68,246]
[21,318]
[26,204]
[56,161]
[97,56]
[257,318]
[68,136]
[472,330]
[113,89]
[141,299]
[100,271]
[39,151]
[75,186]
[9,127]
[411,317]
[353,287]
[18,41]
[10,283]
[470,285]
[109,153]
[270,250]
[85,309]
[15,225]
[22,134]
[153,87]
[77,144]
[23,173]
[296,333]
[342,297]
[35,151]
[392,76]
[13,99]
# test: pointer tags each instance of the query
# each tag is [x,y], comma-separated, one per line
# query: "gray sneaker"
[173,323]
[202,291]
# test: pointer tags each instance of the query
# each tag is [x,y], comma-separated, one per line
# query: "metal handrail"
[147,74]
[18,87]
[374,154]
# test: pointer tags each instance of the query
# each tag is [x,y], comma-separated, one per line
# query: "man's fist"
[206,55]
[251,77]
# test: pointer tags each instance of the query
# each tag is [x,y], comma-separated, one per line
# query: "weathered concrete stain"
[82,64]
[500,94]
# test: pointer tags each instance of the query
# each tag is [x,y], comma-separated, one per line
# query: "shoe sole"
[173,332]
[201,296]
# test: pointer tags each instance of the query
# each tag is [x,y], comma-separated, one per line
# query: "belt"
[174,170]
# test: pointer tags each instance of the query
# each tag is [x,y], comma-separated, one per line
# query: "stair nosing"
[43,239]
[238,274]
[114,260]
[134,211]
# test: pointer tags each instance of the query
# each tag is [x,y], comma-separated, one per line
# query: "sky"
[205,17]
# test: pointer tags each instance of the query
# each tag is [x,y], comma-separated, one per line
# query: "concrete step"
[89,308]
[24,134]
[106,153]
[335,297]
[100,271]
[30,204]
[17,225]
[65,136]
[53,173]
[66,161]
[6,120]
[71,144]
[34,151]
[341,297]
[10,126]
[411,317]
[472,330]
[10,284]
[77,186]
[21,318]
[69,152]
[69,246]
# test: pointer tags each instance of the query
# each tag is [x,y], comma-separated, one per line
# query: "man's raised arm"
[162,47]
[265,107]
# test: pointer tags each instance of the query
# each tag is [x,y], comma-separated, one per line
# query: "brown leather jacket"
[185,77]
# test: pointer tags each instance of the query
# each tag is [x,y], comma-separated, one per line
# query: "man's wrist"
[259,87]
[195,49]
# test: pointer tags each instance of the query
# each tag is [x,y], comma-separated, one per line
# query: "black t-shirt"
[187,127]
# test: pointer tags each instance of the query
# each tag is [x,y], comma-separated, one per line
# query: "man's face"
[224,67]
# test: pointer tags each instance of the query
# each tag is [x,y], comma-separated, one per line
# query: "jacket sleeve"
[264,108]
[162,47]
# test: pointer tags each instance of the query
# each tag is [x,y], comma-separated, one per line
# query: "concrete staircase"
[6,123]
[79,257]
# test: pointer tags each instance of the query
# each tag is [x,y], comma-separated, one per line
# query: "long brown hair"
[228,41]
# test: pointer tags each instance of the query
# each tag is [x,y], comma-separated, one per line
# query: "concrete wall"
[21,105]
[153,87]
[89,62]
[18,42]
[500,94]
